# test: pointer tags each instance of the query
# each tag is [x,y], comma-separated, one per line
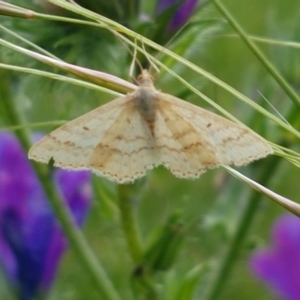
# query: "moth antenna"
[152,64]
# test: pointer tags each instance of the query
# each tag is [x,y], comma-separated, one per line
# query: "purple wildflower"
[31,240]
[183,12]
[279,266]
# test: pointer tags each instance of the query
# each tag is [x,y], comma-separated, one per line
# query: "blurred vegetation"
[206,211]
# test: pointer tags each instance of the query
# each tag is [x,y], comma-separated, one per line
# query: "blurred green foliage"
[210,206]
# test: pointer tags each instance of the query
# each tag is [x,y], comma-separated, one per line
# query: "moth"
[134,133]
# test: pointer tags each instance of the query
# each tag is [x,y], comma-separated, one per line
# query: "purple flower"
[184,9]
[31,240]
[279,266]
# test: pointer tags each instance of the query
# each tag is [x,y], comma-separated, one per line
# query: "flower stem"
[262,58]
[76,238]
[129,224]
[228,259]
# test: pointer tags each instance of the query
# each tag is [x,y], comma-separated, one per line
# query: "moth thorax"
[146,102]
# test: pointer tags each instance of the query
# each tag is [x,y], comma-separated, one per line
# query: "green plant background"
[209,207]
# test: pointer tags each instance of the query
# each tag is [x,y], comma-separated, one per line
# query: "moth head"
[145,79]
